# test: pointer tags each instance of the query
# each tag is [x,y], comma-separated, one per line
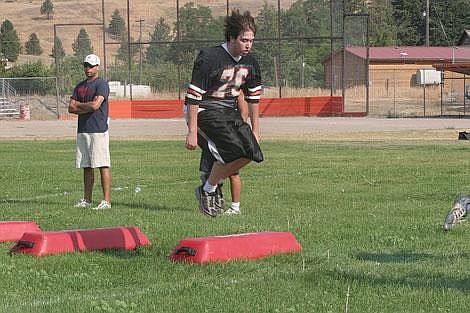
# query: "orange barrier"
[14,230]
[120,109]
[301,106]
[53,242]
[235,247]
[157,108]
[305,106]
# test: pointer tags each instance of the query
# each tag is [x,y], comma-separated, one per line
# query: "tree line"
[288,62]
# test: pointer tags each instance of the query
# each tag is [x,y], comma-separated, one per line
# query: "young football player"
[214,123]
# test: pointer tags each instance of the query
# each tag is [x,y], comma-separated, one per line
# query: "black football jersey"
[217,79]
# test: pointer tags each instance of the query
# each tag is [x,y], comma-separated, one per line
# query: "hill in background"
[26,18]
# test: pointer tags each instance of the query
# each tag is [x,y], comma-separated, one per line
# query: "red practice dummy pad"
[53,242]
[234,247]
[13,230]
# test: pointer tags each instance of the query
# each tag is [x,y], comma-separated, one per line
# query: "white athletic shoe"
[455,215]
[82,204]
[232,211]
[103,205]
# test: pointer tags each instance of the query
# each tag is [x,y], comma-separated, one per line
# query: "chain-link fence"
[302,48]
[298,45]
[30,98]
[397,93]
[153,57]
[455,95]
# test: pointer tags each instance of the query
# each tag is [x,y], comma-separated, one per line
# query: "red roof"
[439,54]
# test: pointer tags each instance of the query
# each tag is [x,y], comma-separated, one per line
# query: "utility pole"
[427,23]
[140,49]
[105,69]
[129,65]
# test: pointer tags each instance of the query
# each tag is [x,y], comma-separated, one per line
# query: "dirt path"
[271,128]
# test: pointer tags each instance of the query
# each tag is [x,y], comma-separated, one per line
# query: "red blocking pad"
[13,230]
[234,247]
[54,242]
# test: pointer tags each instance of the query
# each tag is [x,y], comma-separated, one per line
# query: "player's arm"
[191,137]
[252,97]
[253,90]
[73,106]
[92,105]
[254,118]
[194,95]
[243,106]
[77,107]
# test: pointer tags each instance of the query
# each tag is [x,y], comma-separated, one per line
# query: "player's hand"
[191,141]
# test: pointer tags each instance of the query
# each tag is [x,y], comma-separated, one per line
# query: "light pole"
[140,50]
[129,65]
[427,23]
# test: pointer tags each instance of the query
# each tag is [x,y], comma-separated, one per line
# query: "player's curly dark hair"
[237,23]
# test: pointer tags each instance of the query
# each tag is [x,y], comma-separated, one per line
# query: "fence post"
[442,90]
[464,94]
[424,93]
[57,98]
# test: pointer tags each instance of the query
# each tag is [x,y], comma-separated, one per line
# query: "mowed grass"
[368,216]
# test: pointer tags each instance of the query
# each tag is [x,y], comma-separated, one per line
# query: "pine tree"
[381,27]
[382,24]
[10,46]
[58,49]
[195,22]
[157,53]
[33,46]
[117,24]
[410,22]
[82,44]
[122,52]
[267,52]
[448,19]
[47,8]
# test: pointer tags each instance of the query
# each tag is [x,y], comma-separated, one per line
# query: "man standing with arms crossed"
[214,124]
[90,102]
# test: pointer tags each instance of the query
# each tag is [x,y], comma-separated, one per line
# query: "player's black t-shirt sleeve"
[199,81]
[253,86]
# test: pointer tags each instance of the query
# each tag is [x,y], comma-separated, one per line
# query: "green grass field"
[368,216]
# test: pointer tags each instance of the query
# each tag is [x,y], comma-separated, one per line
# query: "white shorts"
[93,150]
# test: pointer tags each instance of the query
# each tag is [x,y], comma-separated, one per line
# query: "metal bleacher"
[8,108]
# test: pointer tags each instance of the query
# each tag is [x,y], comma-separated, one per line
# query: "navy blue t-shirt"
[86,91]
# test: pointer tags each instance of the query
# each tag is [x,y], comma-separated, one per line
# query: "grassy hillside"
[26,18]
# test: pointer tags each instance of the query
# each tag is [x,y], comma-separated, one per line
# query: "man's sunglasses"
[88,65]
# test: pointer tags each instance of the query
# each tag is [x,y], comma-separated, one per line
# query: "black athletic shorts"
[224,134]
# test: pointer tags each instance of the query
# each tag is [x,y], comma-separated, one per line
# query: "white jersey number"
[233,77]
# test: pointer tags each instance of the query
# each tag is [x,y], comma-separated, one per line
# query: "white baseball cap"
[92,59]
